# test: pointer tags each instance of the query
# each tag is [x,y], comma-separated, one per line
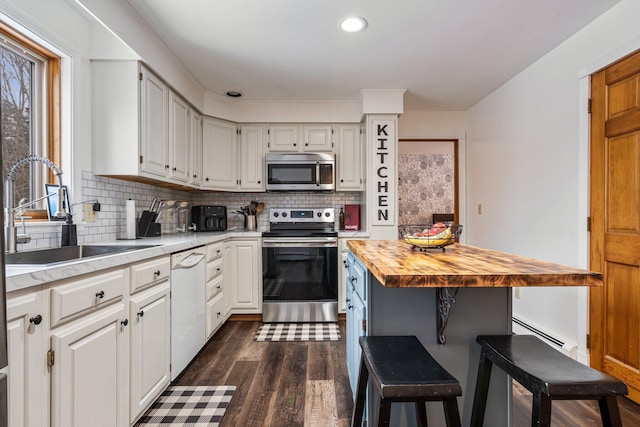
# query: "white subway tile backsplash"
[112,194]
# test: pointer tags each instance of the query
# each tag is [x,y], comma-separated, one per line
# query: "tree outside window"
[15,114]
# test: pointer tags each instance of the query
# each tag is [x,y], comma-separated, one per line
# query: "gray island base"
[476,311]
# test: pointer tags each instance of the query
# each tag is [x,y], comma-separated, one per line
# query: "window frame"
[51,117]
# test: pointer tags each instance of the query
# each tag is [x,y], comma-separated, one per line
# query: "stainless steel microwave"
[300,171]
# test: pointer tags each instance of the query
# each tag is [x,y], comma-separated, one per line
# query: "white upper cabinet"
[298,138]
[141,128]
[251,158]
[195,149]
[317,137]
[349,158]
[283,138]
[219,150]
[179,143]
[154,125]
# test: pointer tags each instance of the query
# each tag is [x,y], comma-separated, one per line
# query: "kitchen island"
[445,298]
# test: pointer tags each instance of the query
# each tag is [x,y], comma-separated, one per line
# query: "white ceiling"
[448,54]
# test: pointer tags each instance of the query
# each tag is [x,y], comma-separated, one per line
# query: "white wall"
[527,152]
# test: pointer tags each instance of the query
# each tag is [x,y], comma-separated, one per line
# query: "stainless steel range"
[300,266]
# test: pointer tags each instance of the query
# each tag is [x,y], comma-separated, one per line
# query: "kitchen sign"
[384,142]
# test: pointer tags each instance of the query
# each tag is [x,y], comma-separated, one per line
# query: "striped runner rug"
[298,332]
[196,406]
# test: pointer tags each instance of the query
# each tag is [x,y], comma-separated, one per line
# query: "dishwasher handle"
[190,261]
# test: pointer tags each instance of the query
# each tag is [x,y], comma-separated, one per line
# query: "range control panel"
[301,215]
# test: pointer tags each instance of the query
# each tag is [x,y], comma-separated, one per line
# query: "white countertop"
[25,276]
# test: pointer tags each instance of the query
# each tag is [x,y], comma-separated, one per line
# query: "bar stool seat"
[546,373]
[402,370]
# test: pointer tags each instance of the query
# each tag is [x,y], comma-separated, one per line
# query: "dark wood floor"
[305,384]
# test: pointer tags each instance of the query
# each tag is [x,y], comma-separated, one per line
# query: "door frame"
[456,169]
[584,181]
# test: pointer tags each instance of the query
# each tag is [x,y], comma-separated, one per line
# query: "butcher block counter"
[465,289]
[396,265]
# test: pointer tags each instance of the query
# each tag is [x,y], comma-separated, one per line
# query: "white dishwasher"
[187,307]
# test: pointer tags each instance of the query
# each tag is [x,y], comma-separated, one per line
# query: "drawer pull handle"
[349,307]
[219,287]
[354,279]
[36,320]
[100,295]
[218,313]
[141,313]
[345,264]
[156,273]
[218,270]
[125,322]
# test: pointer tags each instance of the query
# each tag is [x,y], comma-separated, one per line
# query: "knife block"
[147,225]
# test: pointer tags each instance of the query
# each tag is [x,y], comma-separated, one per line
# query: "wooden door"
[615,220]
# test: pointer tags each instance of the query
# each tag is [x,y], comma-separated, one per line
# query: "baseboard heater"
[568,348]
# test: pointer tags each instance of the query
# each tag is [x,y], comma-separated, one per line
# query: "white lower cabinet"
[95,350]
[90,374]
[215,313]
[149,315]
[246,276]
[28,378]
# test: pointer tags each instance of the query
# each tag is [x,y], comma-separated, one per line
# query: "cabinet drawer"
[214,287]
[215,313]
[214,251]
[214,268]
[93,292]
[148,273]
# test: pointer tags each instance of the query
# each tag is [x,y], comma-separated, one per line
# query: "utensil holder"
[250,223]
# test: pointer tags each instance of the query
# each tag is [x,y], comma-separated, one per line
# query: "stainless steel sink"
[68,253]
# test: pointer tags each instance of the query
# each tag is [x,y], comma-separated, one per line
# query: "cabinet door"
[179,124]
[343,282]
[246,276]
[219,154]
[90,376]
[252,157]
[358,330]
[154,129]
[318,138]
[349,341]
[215,313]
[350,158]
[149,312]
[229,276]
[283,138]
[195,149]
[27,373]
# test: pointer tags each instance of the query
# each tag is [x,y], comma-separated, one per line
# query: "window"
[29,113]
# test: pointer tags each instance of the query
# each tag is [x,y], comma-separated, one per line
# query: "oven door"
[300,279]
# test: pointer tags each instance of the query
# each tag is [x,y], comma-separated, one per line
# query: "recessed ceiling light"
[234,94]
[353,24]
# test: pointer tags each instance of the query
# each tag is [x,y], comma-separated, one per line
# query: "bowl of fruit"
[432,236]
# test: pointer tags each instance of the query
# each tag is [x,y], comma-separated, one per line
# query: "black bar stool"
[548,374]
[402,370]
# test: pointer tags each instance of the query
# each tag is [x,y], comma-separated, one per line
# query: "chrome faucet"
[11,234]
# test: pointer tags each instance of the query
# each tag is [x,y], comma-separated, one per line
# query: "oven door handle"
[328,242]
[318,174]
